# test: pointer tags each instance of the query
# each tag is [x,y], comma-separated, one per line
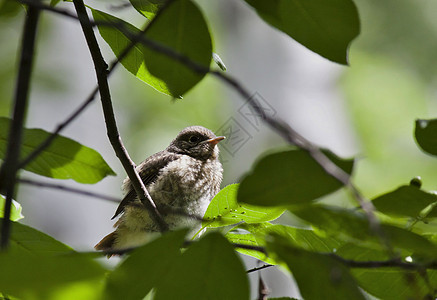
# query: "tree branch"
[112,131]
[9,168]
[279,126]
[45,144]
[137,38]
[259,268]
[68,189]
[263,290]
[391,263]
[373,264]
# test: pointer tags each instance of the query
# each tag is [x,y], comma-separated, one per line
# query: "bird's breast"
[188,184]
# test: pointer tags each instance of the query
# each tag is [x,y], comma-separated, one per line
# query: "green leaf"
[250,240]
[386,283]
[289,177]
[29,240]
[325,27]
[224,210]
[208,269]
[134,61]
[15,209]
[36,263]
[403,284]
[89,290]
[10,8]
[147,8]
[53,3]
[145,267]
[426,135]
[63,159]
[406,201]
[354,227]
[303,238]
[182,28]
[359,253]
[318,276]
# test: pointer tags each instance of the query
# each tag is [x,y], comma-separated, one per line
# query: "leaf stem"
[259,268]
[111,126]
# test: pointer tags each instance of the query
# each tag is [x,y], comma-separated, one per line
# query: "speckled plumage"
[184,177]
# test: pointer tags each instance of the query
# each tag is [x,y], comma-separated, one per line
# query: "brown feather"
[106,243]
[155,164]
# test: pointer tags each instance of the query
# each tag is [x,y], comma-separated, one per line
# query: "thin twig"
[263,290]
[41,6]
[377,264]
[69,189]
[279,126]
[164,209]
[66,13]
[391,263]
[136,38]
[259,268]
[46,143]
[8,172]
[112,130]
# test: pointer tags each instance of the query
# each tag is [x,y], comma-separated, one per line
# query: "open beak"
[215,141]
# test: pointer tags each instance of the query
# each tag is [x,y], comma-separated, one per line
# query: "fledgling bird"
[184,177]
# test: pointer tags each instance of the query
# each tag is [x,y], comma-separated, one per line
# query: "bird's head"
[197,142]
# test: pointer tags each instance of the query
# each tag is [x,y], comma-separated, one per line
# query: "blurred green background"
[366,110]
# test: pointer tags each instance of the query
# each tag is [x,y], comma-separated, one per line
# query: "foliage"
[326,28]
[342,253]
[15,209]
[63,159]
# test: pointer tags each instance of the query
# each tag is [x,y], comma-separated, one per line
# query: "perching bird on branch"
[181,180]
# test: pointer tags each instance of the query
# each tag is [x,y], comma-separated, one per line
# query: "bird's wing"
[148,171]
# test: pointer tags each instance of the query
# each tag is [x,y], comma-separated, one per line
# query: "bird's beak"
[215,141]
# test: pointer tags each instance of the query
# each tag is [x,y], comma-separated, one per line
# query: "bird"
[183,178]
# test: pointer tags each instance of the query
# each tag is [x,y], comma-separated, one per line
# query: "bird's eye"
[193,139]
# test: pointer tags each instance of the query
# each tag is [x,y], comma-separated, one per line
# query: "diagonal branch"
[45,144]
[111,126]
[68,189]
[281,128]
[259,268]
[8,172]
[278,126]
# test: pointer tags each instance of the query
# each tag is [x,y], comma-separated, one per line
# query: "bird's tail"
[106,243]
